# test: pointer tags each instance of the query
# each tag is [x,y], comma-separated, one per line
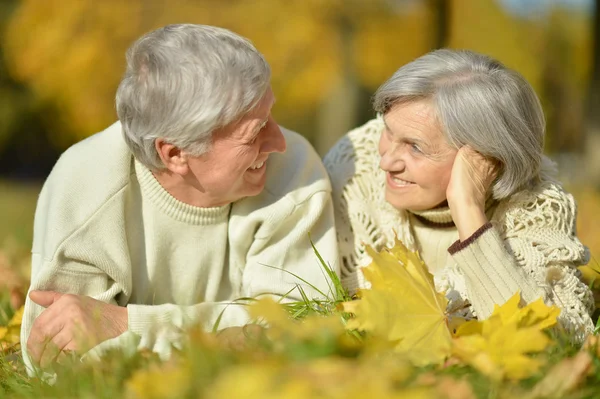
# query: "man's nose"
[274,140]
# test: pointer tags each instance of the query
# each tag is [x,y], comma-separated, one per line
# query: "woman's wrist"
[468,218]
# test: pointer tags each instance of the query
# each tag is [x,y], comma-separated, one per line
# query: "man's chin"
[253,191]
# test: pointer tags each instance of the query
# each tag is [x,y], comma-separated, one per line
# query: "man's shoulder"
[93,169]
[105,148]
[297,173]
[85,178]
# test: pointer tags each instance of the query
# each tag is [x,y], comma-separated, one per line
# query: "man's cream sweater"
[529,245]
[104,227]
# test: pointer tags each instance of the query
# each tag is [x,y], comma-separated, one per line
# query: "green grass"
[203,363]
[195,371]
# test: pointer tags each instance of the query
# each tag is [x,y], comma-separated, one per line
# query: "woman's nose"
[392,160]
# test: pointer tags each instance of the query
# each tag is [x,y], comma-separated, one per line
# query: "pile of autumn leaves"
[395,342]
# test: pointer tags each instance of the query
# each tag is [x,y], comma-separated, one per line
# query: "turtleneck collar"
[174,208]
[441,216]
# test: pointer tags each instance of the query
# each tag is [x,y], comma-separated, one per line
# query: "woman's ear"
[498,167]
[173,157]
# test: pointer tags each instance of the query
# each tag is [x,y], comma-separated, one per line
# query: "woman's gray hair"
[481,103]
[184,81]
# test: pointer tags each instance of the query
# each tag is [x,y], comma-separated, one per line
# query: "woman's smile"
[397,183]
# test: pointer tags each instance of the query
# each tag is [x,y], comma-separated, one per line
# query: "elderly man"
[191,201]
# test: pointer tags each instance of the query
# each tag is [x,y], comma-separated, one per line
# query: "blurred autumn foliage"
[327,56]
[61,62]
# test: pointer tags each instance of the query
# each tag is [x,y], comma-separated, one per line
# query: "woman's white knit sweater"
[529,245]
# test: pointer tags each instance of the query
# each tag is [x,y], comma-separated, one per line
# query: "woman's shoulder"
[355,154]
[544,203]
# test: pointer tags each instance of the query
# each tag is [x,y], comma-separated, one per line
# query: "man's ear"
[174,159]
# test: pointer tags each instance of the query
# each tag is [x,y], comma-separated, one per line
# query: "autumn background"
[61,62]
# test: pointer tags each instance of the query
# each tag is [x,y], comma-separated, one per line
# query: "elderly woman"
[165,218]
[454,167]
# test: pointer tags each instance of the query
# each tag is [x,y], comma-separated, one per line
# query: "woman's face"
[416,157]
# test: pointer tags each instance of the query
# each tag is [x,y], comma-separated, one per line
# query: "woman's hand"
[471,178]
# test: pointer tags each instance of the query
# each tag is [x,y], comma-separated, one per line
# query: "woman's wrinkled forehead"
[414,120]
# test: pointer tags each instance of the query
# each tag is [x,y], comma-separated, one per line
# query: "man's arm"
[72,255]
[67,309]
[71,323]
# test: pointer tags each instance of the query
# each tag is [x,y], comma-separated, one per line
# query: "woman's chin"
[402,203]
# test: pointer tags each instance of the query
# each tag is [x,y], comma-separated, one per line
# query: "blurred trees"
[24,149]
[327,56]
[593,103]
[323,52]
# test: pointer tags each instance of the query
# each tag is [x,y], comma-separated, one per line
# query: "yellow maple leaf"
[10,334]
[499,346]
[403,306]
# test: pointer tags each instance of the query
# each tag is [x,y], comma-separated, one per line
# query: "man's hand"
[237,338]
[470,182]
[71,323]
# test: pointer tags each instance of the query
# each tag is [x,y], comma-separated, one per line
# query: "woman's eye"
[416,148]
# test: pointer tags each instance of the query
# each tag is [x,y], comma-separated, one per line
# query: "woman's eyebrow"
[409,139]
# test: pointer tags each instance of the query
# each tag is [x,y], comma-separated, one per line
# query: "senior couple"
[196,198]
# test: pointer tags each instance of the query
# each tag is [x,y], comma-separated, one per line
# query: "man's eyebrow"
[258,126]
[264,121]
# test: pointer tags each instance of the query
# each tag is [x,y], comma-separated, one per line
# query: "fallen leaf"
[402,306]
[169,380]
[449,388]
[17,297]
[564,377]
[500,346]
[10,334]
[592,344]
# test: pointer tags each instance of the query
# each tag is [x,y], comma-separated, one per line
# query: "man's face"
[235,166]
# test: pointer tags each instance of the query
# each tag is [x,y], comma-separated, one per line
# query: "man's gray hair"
[481,103]
[184,81]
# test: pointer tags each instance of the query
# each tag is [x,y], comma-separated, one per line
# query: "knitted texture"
[105,228]
[531,245]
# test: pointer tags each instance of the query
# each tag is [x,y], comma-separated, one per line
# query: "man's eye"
[416,148]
